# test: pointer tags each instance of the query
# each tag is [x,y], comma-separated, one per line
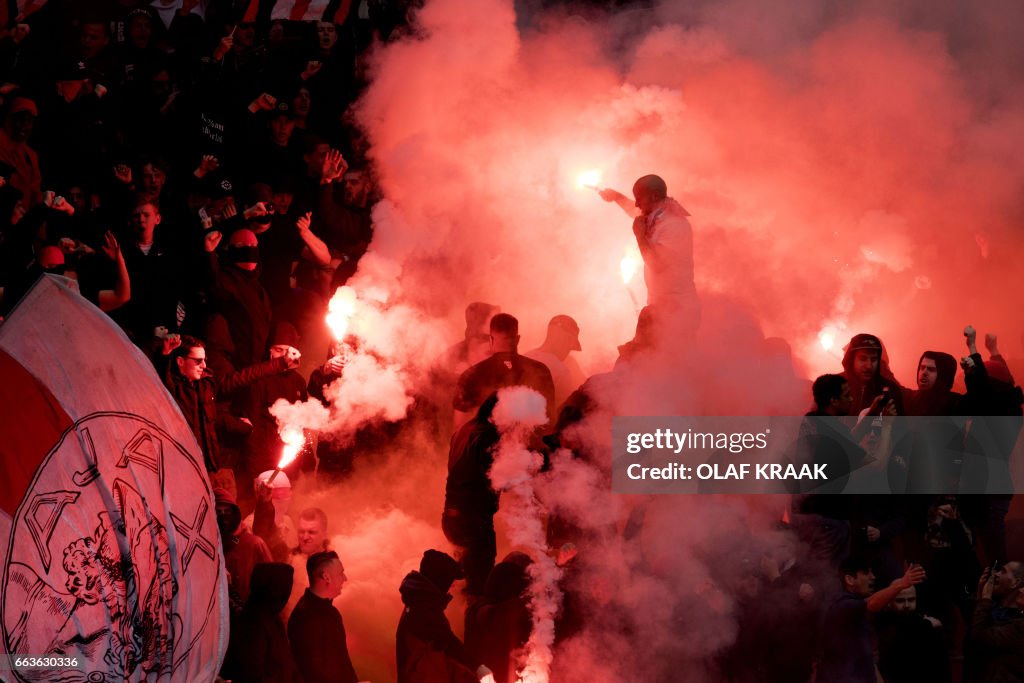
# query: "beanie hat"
[440,568]
[224,496]
[284,334]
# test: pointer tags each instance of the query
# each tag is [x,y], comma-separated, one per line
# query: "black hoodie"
[427,649]
[940,399]
[258,650]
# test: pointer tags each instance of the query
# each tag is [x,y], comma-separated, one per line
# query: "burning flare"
[340,311]
[293,438]
[591,179]
[827,339]
[628,266]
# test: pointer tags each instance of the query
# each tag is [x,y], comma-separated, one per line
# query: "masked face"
[243,250]
[70,90]
[229,517]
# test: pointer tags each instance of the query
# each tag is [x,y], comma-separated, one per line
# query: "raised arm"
[624,202]
[913,576]
[109,299]
[315,247]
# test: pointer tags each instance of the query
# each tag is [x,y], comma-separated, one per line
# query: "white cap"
[280,481]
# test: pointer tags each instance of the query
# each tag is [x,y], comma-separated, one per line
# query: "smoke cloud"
[520,411]
[848,168]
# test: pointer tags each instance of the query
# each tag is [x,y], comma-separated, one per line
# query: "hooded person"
[258,649]
[866,368]
[235,290]
[19,114]
[426,648]
[270,520]
[498,626]
[242,549]
[936,372]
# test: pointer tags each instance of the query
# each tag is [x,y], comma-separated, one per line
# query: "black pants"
[474,536]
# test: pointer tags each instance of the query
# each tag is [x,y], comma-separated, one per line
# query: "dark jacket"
[846,644]
[156,288]
[240,297]
[504,369]
[498,626]
[1001,633]
[940,399]
[468,487]
[319,646]
[864,393]
[427,649]
[198,401]
[910,649]
[263,447]
[258,651]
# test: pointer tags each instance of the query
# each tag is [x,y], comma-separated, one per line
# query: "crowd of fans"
[191,164]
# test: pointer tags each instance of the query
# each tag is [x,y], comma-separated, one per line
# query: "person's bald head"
[648,191]
[243,238]
[50,258]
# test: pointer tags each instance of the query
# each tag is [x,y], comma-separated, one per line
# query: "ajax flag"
[110,555]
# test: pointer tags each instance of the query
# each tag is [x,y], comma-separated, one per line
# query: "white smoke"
[518,412]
